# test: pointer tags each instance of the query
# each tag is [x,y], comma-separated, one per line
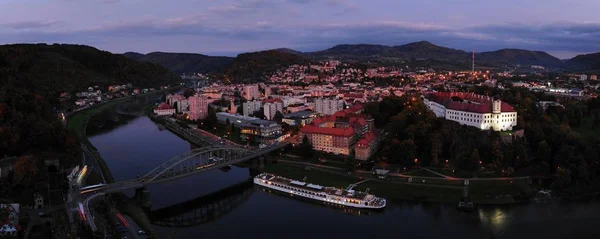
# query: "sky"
[563,28]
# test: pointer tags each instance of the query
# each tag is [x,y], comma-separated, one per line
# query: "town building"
[249,107]
[178,102]
[366,147]
[470,109]
[199,106]
[164,109]
[326,106]
[251,92]
[593,77]
[300,118]
[271,107]
[583,77]
[339,133]
[253,129]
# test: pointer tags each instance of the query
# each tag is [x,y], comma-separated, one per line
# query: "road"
[132,229]
[92,163]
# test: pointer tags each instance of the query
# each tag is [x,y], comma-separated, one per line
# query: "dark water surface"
[247,211]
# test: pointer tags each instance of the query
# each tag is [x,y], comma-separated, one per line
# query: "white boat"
[349,198]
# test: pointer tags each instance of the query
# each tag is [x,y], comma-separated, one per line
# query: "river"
[136,147]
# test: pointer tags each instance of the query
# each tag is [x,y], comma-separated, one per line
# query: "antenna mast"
[473,63]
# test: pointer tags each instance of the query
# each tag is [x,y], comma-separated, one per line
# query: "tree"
[240,110]
[278,116]
[260,113]
[497,156]
[563,179]
[305,147]
[544,152]
[187,92]
[26,169]
[210,121]
[436,148]
[350,161]
[521,158]
[408,151]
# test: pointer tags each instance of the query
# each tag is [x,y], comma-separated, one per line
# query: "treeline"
[254,66]
[551,142]
[28,124]
[51,69]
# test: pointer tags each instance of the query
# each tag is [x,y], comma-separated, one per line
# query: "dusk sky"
[227,27]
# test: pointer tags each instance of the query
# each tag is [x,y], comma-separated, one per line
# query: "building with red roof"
[340,132]
[366,147]
[471,109]
[164,109]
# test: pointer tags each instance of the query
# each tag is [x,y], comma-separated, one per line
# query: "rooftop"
[300,114]
[471,102]
[312,129]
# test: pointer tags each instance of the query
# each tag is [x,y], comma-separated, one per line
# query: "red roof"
[353,95]
[164,106]
[344,132]
[272,100]
[482,104]
[365,141]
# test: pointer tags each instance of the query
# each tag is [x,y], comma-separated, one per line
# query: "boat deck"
[320,189]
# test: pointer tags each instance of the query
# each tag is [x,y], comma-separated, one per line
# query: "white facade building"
[251,92]
[583,77]
[328,106]
[472,110]
[250,107]
[199,106]
[271,108]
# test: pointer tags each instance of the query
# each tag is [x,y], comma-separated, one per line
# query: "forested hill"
[250,67]
[180,63]
[50,69]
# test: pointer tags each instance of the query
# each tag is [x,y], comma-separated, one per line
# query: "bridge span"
[186,164]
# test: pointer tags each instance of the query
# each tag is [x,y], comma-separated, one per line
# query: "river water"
[140,145]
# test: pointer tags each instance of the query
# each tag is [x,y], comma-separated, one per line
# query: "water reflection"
[138,146]
[332,206]
[203,209]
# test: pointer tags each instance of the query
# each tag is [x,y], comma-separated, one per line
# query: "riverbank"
[482,193]
[78,122]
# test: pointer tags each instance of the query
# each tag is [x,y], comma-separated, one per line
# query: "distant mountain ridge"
[425,50]
[586,62]
[423,53]
[181,63]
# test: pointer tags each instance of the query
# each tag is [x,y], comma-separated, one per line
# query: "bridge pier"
[142,196]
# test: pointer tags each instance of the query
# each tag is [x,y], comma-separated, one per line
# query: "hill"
[520,57]
[427,51]
[290,51]
[50,69]
[422,50]
[587,62]
[251,67]
[181,63]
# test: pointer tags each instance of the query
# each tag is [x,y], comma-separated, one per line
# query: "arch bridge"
[189,163]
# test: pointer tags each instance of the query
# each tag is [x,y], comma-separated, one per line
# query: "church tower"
[496,106]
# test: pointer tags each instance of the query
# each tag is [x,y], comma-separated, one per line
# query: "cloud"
[244,7]
[559,37]
[29,24]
